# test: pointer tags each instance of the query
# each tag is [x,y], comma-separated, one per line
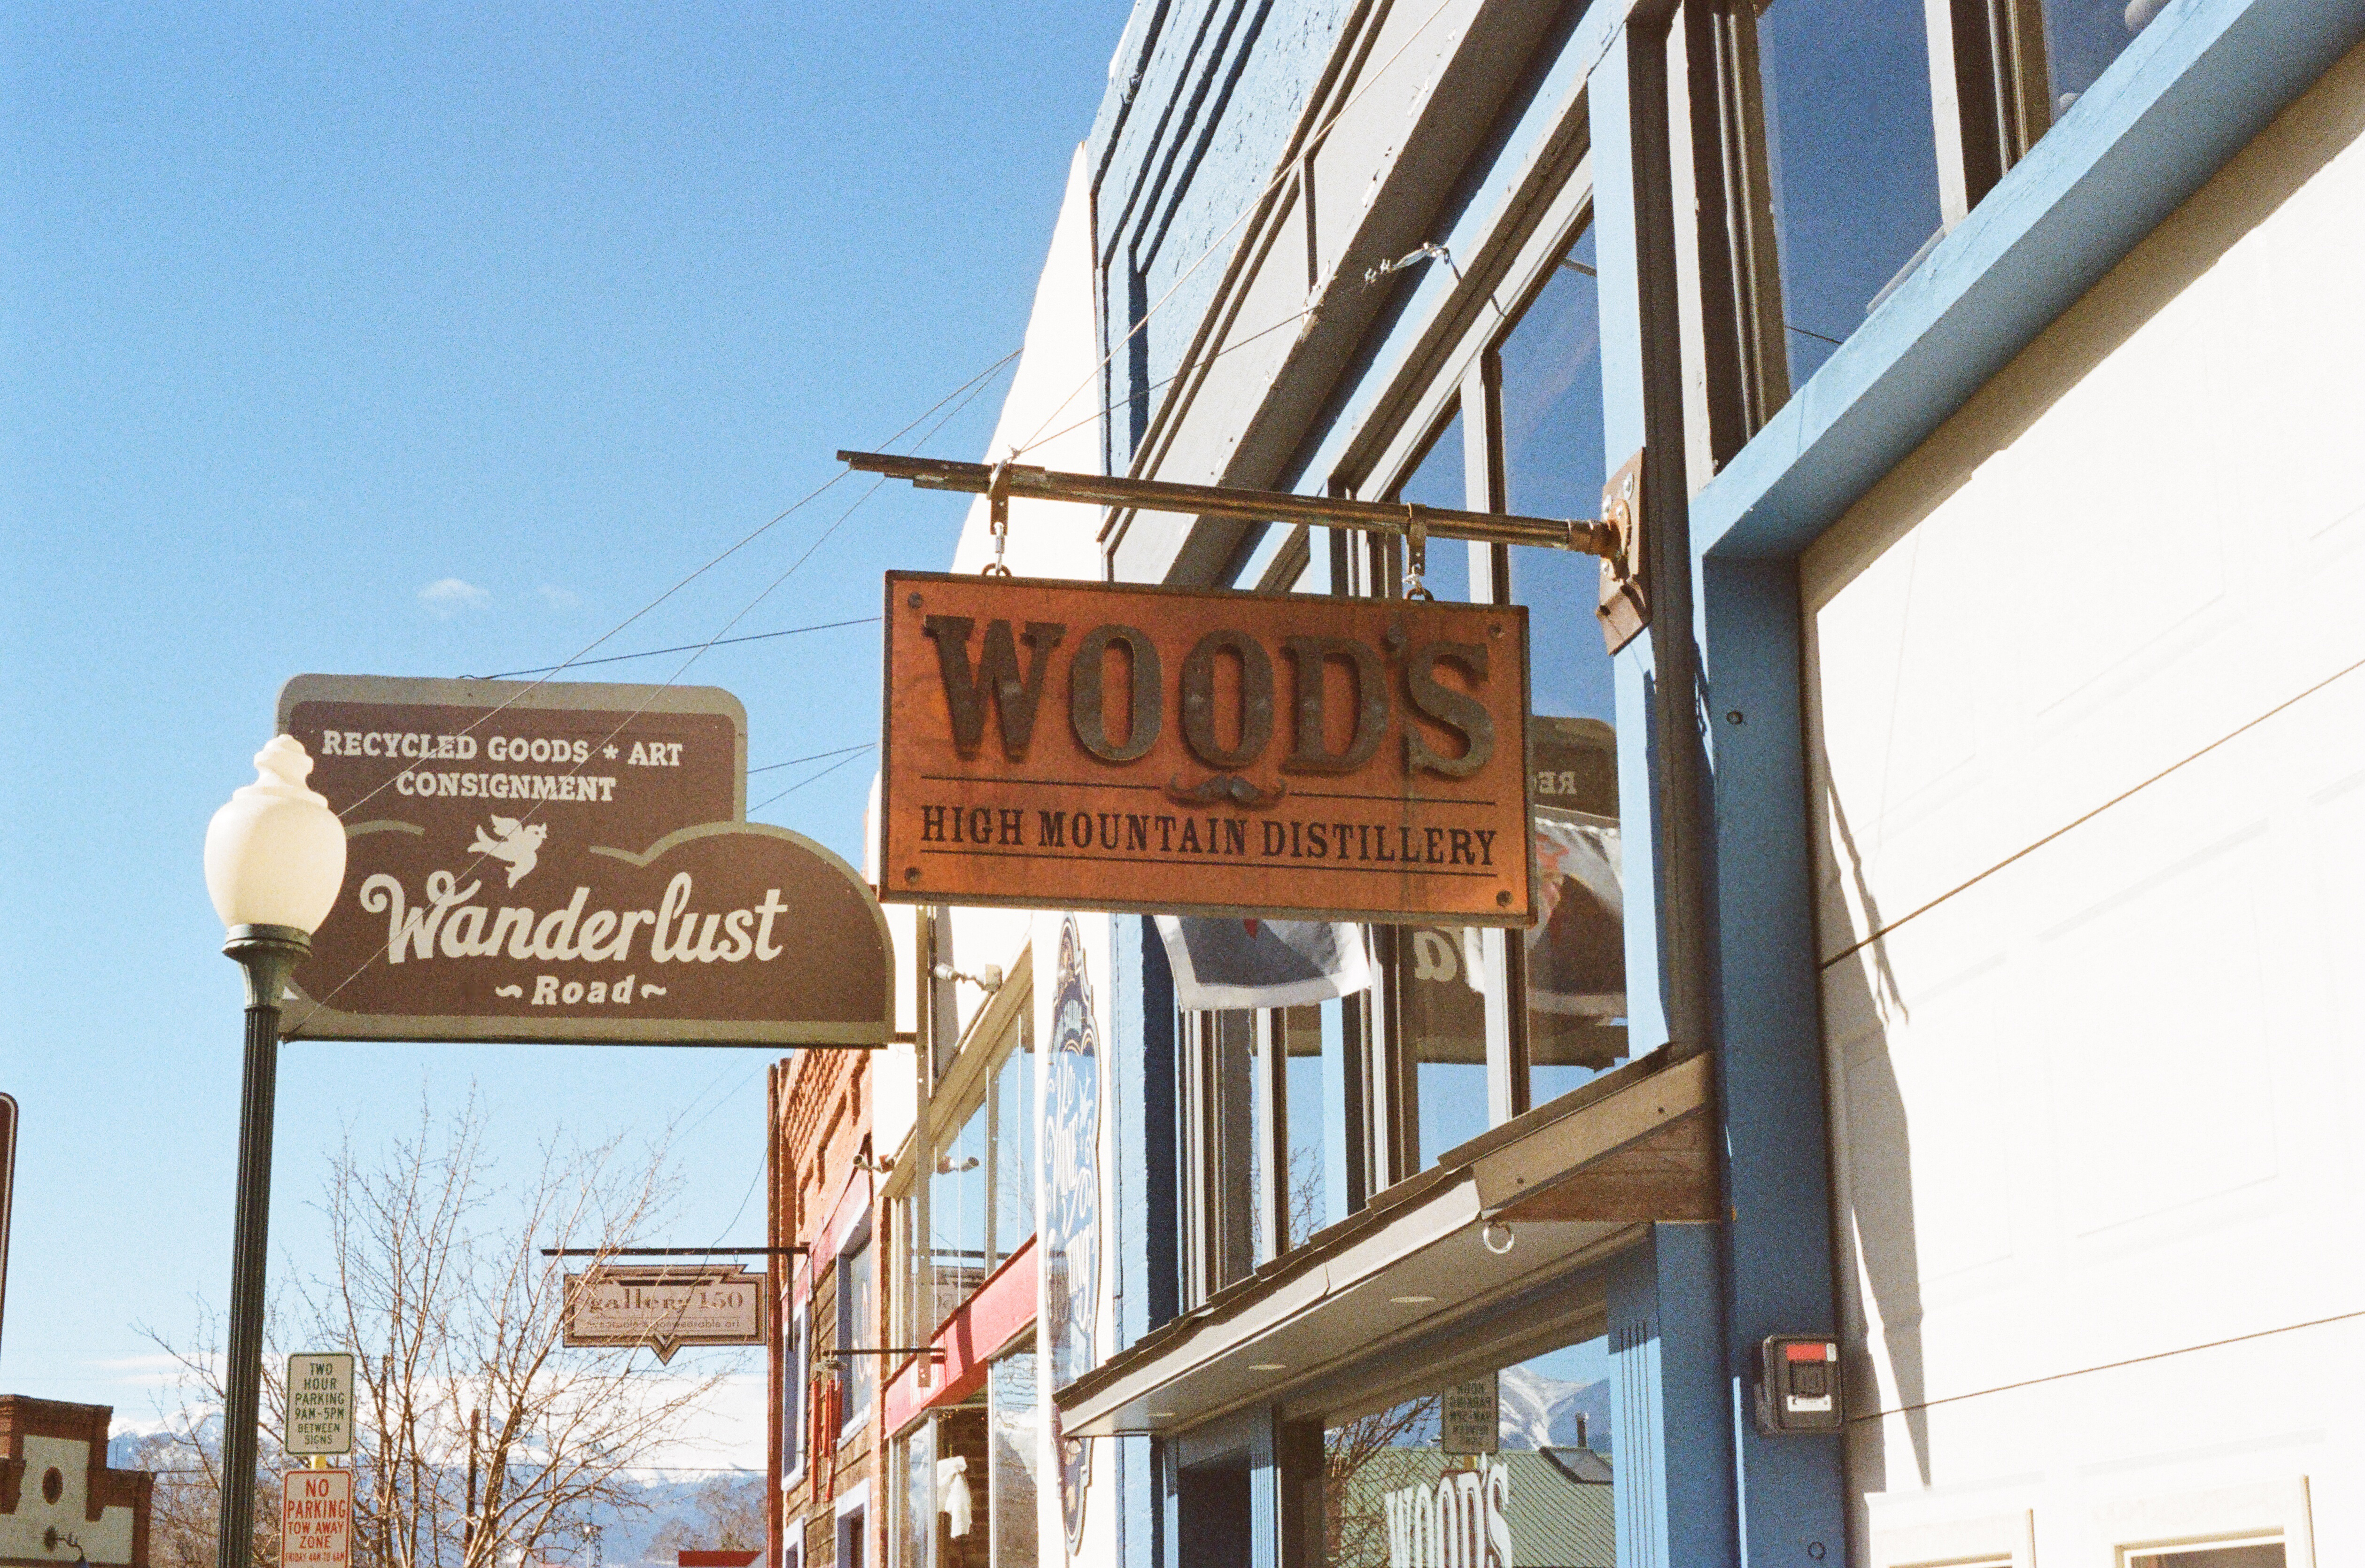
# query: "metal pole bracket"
[1625,608]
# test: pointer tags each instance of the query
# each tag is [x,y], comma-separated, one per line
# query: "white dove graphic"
[516,844]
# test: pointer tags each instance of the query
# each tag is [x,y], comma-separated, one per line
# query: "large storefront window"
[1511,1467]
[1291,1118]
[965,1476]
[1014,1442]
[1574,958]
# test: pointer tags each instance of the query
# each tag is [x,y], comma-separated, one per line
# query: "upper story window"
[981,1173]
[1290,1116]
[1483,1025]
[796,1397]
[857,1326]
[1855,134]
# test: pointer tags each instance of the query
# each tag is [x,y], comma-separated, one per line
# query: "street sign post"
[316,1519]
[665,1308]
[319,1403]
[1056,745]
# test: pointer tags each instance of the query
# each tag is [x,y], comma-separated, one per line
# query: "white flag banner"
[1223,965]
[1576,949]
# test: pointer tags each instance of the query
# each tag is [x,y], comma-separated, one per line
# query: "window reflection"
[915,1516]
[1573,956]
[982,1184]
[1013,1155]
[857,1329]
[1010,1415]
[958,1194]
[1509,1467]
[1852,163]
[1437,481]
[1316,1046]
[2081,39]
[1441,977]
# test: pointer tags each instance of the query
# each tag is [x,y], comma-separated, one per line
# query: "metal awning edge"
[1489,1181]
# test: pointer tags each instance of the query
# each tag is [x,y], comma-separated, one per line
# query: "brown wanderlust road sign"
[1059,745]
[566,862]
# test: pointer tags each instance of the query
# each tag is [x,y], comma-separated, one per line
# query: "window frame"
[1469,388]
[1222,1207]
[1001,1028]
[796,1393]
[852,1418]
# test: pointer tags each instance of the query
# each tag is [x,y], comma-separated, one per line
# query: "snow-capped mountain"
[1539,1412]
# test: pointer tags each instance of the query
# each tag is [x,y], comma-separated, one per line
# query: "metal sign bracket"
[1625,608]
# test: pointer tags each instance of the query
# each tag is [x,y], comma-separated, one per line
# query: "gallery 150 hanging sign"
[568,862]
[1082,745]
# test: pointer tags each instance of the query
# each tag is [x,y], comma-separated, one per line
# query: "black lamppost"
[274,860]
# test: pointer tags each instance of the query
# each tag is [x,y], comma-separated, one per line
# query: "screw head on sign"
[911,873]
[914,601]
[1503,898]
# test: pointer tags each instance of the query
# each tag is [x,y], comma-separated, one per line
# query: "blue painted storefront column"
[1777,1264]
[1674,1466]
[1697,1485]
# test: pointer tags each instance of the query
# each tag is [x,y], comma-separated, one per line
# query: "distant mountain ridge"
[627,1535]
[1538,1412]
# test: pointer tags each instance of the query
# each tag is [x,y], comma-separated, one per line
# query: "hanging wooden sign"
[566,862]
[1056,745]
[665,1308]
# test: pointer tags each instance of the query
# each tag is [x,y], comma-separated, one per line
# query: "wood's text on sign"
[316,1519]
[665,1308]
[1084,746]
[319,1403]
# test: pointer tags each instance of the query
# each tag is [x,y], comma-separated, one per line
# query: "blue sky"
[431,340]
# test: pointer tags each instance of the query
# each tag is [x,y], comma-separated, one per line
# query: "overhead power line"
[686,647]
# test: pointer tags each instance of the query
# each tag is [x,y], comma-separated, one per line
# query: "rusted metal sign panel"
[1084,746]
[665,1308]
[566,862]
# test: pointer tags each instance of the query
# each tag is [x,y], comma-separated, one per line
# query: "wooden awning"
[1574,1180]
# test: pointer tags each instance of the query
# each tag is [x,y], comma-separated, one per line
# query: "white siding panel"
[2089,790]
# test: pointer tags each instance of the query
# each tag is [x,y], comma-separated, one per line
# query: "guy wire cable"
[653,653]
[974,385]
[801,783]
[814,757]
[969,387]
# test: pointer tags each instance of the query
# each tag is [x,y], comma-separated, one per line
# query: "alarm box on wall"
[1797,1385]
